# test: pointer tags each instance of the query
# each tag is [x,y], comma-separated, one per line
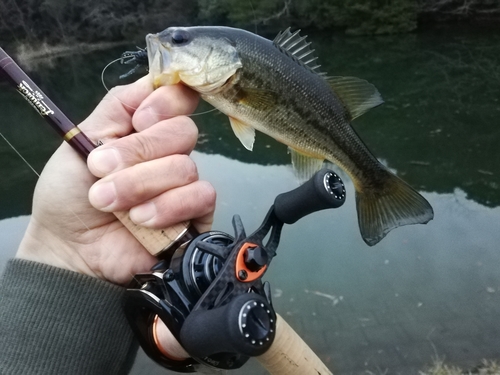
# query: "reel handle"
[246,325]
[324,190]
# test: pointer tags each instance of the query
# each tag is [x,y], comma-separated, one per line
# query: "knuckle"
[187,168]
[207,196]
[181,208]
[114,91]
[143,148]
[186,126]
[199,202]
[189,125]
[140,186]
[210,196]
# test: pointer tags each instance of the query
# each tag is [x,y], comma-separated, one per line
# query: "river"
[425,291]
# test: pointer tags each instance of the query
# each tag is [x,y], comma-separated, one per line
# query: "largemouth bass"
[277,88]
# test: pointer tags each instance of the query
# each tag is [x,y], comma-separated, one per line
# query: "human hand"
[145,168]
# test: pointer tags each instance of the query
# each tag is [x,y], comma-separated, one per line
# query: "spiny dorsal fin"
[357,94]
[296,47]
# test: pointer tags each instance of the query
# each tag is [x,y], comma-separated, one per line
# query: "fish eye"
[180,37]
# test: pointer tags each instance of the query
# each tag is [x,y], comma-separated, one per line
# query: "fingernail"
[102,195]
[143,213]
[106,160]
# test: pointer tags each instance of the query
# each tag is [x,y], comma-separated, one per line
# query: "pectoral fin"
[244,132]
[304,166]
[357,94]
[264,100]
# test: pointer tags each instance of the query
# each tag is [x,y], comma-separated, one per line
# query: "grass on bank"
[30,57]
[439,367]
[485,368]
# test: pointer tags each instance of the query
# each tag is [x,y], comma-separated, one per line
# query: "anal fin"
[304,166]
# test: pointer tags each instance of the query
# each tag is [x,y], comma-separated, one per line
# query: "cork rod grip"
[290,355]
[154,240]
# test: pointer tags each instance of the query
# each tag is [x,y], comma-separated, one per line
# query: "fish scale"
[276,87]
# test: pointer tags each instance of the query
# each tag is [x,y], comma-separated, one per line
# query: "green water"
[424,290]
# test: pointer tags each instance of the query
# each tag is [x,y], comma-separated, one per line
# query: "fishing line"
[17,77]
[135,108]
[66,207]
[38,175]
[254,17]
[19,154]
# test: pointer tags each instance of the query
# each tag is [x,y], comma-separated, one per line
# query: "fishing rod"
[207,288]
[156,241]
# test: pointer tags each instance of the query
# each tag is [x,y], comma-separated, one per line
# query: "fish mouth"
[160,60]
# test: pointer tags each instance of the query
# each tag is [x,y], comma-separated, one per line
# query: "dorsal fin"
[296,47]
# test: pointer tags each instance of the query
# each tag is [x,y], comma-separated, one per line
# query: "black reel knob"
[246,325]
[256,258]
[256,321]
[324,190]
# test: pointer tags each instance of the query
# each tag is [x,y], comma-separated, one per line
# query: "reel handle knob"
[324,190]
[246,325]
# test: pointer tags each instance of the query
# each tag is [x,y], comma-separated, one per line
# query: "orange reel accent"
[241,267]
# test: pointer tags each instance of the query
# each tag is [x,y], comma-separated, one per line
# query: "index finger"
[173,136]
[164,103]
[112,118]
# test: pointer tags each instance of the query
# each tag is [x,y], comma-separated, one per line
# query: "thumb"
[166,342]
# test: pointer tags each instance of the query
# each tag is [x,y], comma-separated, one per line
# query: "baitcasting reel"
[209,291]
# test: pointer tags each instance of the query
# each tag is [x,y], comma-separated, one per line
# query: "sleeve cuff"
[55,321]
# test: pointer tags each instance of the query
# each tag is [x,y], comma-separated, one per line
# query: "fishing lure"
[139,57]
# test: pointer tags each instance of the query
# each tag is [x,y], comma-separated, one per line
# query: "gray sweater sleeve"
[54,321]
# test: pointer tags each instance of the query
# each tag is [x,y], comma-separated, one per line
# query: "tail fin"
[397,204]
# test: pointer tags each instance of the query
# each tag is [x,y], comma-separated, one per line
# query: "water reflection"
[424,289]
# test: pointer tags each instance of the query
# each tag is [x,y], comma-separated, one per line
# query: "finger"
[135,185]
[196,200]
[174,136]
[203,223]
[164,103]
[112,117]
[167,343]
